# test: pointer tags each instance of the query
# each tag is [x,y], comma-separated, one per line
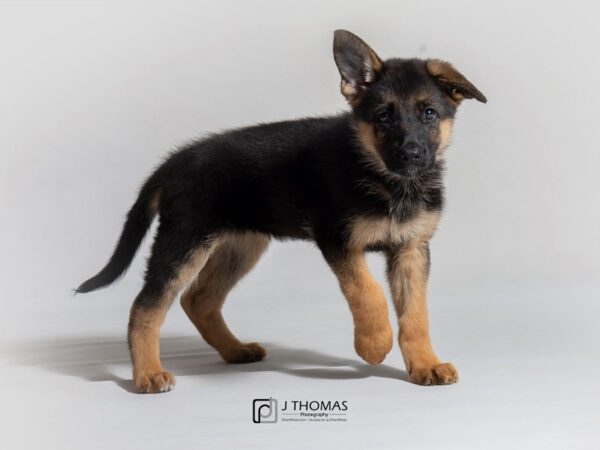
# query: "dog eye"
[384,117]
[429,114]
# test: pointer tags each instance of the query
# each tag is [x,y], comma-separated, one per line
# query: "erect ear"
[453,82]
[357,62]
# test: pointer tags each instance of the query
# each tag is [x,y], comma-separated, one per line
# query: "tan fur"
[366,231]
[202,302]
[353,93]
[439,68]
[368,140]
[154,202]
[444,71]
[372,331]
[445,132]
[457,85]
[350,92]
[366,137]
[376,63]
[148,374]
[145,323]
[408,282]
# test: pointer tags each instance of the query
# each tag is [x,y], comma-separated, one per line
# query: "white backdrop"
[93,94]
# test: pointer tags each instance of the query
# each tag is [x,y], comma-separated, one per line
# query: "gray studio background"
[94,94]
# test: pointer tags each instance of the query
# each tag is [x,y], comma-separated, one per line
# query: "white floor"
[527,355]
[93,95]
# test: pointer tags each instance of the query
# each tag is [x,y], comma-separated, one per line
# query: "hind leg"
[235,256]
[170,268]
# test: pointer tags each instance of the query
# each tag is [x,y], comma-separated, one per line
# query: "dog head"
[403,108]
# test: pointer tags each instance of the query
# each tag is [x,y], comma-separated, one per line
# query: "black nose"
[412,153]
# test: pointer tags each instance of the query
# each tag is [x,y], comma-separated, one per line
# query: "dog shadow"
[95,359]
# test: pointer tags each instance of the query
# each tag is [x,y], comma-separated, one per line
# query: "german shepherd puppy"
[365,180]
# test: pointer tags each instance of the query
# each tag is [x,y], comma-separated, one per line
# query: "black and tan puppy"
[369,179]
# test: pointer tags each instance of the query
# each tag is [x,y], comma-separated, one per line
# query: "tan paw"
[374,346]
[246,353]
[154,383]
[442,373]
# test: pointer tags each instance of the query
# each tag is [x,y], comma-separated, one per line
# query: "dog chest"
[371,231]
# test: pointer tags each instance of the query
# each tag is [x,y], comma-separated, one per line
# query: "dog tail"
[139,219]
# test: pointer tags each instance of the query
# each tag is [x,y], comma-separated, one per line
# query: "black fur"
[138,221]
[299,179]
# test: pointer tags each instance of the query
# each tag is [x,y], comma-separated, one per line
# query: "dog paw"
[246,353]
[442,373]
[154,383]
[375,345]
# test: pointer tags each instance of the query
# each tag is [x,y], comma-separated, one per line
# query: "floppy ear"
[357,62]
[453,82]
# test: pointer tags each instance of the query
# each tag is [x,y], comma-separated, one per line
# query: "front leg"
[373,336]
[408,270]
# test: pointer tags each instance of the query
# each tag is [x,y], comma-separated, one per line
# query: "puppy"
[366,180]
